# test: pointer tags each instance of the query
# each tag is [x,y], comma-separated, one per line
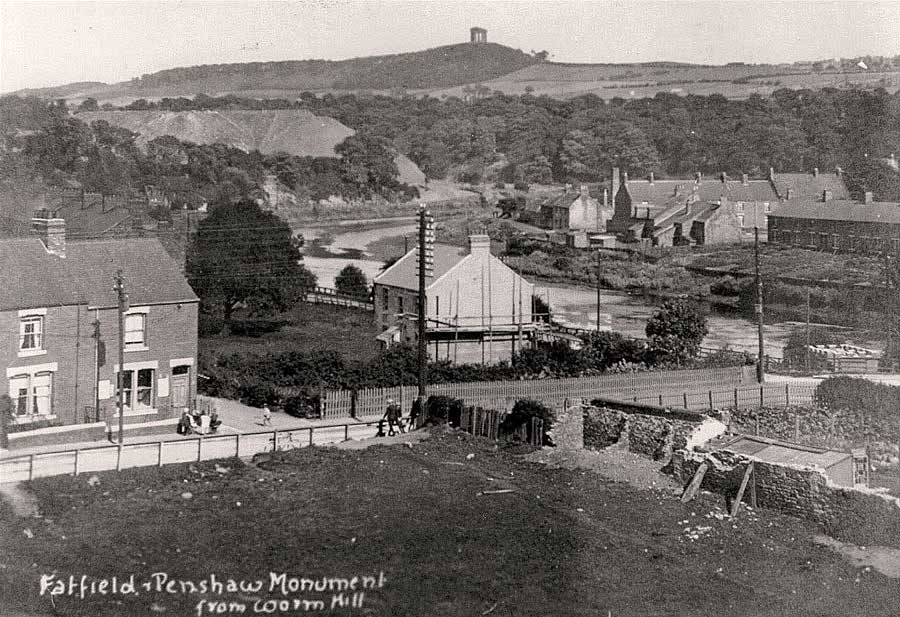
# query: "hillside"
[293,131]
[440,67]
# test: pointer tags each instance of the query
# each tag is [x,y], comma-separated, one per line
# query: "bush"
[521,186]
[259,395]
[443,410]
[522,412]
[302,406]
[209,324]
[857,394]
[255,327]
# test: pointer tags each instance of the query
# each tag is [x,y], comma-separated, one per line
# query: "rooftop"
[404,273]
[843,210]
[781,452]
[32,277]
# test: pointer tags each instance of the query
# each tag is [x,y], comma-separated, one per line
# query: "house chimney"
[772,173]
[790,193]
[868,198]
[815,172]
[651,177]
[625,177]
[698,178]
[480,245]
[51,231]
[745,180]
[584,191]
[615,182]
[723,177]
[839,172]
[827,195]
[605,198]
[568,188]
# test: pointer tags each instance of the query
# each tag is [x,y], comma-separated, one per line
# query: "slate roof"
[845,210]
[809,187]
[662,192]
[404,273]
[32,277]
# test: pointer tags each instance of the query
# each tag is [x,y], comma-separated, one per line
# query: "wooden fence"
[486,423]
[502,394]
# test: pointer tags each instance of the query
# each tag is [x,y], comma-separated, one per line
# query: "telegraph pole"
[120,376]
[426,265]
[760,373]
[598,291]
[807,329]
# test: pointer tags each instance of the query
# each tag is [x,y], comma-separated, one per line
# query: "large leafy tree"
[676,332]
[351,281]
[244,256]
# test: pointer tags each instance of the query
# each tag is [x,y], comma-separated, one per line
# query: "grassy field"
[310,327]
[562,542]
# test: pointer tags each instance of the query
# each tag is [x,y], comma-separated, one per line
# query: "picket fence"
[502,394]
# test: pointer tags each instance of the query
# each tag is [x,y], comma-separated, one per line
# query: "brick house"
[870,227]
[59,328]
[478,308]
[574,211]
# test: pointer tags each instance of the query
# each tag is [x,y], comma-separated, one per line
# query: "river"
[331,247]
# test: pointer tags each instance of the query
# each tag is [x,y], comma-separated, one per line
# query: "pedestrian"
[393,413]
[267,416]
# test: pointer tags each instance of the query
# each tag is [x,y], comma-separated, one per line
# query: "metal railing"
[159,453]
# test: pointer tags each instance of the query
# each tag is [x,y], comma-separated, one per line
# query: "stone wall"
[651,431]
[859,516]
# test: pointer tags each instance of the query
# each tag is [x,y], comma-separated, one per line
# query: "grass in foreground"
[563,543]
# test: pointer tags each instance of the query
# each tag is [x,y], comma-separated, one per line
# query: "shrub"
[522,412]
[301,406]
[443,410]
[254,327]
[521,186]
[259,394]
[209,324]
[858,395]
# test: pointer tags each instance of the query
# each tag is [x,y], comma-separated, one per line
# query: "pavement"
[236,418]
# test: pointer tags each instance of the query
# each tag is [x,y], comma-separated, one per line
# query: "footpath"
[236,417]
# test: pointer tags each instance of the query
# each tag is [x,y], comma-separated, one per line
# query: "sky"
[46,43]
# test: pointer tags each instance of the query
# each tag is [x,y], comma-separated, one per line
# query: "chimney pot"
[625,177]
[771,173]
[838,171]
[723,177]
[51,231]
[815,172]
[868,198]
[651,177]
[745,180]
[698,178]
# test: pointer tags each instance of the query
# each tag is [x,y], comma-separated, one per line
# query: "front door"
[180,385]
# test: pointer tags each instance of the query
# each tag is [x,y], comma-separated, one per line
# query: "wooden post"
[76,463]
[310,435]
[237,445]
[762,400]
[694,487]
[159,455]
[119,458]
[736,506]
[684,398]
[787,395]
[274,441]
[660,400]
[199,448]
[710,401]
[31,467]
[753,489]
[735,398]
[346,432]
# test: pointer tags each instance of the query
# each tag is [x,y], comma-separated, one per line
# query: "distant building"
[478,308]
[843,226]
[60,294]
[574,211]
[753,200]
[477,35]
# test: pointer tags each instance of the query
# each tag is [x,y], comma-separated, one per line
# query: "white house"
[478,308]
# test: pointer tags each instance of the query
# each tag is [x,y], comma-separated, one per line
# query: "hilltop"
[440,67]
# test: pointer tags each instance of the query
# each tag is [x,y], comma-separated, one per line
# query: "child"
[267,416]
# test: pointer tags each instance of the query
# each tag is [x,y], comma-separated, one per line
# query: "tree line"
[541,139]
